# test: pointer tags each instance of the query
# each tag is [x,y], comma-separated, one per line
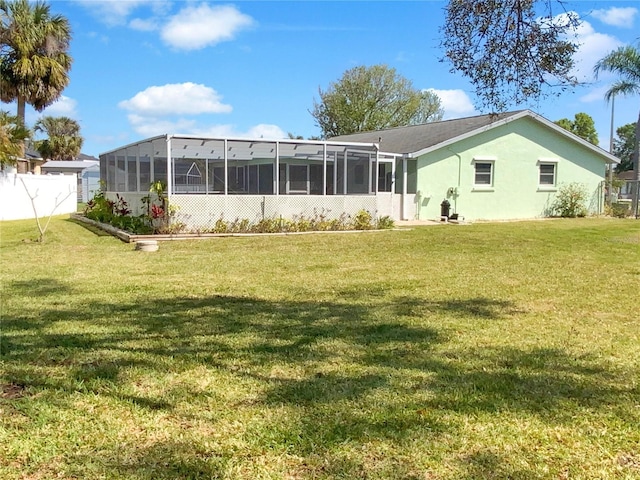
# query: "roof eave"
[524,113]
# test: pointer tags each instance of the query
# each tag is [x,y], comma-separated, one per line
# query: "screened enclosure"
[224,167]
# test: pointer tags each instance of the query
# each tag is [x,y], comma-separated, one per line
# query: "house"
[503,166]
[628,180]
[86,169]
[500,166]
[31,162]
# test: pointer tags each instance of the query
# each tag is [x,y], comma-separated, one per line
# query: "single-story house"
[628,180]
[500,166]
[31,162]
[87,171]
[503,166]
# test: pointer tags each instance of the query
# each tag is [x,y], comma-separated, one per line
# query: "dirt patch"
[11,391]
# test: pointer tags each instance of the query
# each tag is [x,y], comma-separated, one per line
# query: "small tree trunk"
[636,168]
[23,166]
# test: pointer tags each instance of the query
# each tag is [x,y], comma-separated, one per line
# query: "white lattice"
[202,211]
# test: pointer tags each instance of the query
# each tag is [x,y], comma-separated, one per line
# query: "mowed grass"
[450,352]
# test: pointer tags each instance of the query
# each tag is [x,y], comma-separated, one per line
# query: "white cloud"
[592,46]
[150,127]
[622,17]
[63,107]
[142,25]
[196,27]
[115,12]
[264,130]
[456,103]
[176,99]
[594,95]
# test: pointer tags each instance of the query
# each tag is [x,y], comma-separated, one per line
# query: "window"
[483,174]
[547,176]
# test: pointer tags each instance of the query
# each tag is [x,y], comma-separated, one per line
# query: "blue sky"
[253,68]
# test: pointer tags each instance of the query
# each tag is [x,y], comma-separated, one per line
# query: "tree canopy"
[624,145]
[373,98]
[34,62]
[64,141]
[582,125]
[12,136]
[510,50]
[625,63]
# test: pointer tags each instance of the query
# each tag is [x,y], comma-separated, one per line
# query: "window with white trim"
[547,174]
[483,173]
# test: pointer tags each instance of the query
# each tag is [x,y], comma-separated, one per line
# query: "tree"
[64,141]
[373,98]
[582,126]
[623,146]
[12,136]
[508,51]
[34,62]
[625,62]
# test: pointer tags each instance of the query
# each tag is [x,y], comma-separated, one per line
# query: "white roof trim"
[517,116]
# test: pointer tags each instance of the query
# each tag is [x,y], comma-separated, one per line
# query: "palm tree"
[625,62]
[12,137]
[34,62]
[64,141]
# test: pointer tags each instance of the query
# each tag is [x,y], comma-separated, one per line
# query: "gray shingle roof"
[414,138]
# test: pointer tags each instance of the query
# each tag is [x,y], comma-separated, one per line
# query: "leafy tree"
[623,146]
[508,51]
[625,63]
[12,137]
[582,125]
[34,62]
[64,141]
[373,98]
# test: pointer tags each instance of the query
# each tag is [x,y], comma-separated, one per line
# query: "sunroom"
[233,178]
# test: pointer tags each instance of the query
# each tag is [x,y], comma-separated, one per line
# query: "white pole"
[226,168]
[169,169]
[324,169]
[276,175]
[344,174]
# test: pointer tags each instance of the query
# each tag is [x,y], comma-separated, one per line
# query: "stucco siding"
[515,151]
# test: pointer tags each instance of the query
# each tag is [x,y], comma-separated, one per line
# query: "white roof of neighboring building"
[69,164]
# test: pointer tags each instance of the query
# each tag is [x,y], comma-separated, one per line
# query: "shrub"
[385,223]
[571,201]
[362,221]
[620,210]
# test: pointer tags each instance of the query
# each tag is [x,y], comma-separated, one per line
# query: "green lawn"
[450,352]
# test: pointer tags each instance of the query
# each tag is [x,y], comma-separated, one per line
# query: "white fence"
[20,193]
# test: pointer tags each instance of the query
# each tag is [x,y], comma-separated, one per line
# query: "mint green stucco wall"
[517,148]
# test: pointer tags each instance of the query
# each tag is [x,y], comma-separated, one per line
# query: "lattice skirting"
[202,211]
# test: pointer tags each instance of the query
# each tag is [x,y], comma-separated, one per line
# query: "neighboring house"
[628,179]
[31,162]
[503,166]
[77,168]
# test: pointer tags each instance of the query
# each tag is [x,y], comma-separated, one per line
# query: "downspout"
[455,196]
